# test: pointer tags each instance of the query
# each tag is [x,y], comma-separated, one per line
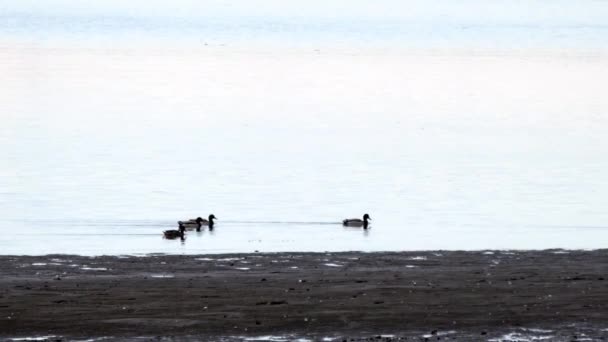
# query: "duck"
[175,233]
[209,222]
[192,223]
[355,222]
[198,223]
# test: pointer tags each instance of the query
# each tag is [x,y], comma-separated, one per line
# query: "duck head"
[199,220]
[212,217]
[366,217]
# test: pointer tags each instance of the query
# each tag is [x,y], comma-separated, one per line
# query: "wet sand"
[468,296]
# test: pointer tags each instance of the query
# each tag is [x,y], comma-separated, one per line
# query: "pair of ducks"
[199,222]
[189,224]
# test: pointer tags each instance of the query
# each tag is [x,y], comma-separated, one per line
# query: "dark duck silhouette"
[209,222]
[198,223]
[355,222]
[193,223]
[175,233]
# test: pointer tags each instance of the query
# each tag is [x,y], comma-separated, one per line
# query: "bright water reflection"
[103,144]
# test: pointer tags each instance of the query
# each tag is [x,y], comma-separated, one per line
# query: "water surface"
[114,129]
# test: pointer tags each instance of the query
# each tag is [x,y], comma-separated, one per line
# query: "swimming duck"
[355,222]
[209,222]
[174,234]
[198,222]
[193,223]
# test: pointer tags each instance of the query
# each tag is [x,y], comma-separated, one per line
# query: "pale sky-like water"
[313,23]
[471,132]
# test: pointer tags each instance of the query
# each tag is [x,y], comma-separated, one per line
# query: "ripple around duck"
[286,222]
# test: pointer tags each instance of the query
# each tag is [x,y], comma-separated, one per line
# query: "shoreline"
[459,295]
[557,250]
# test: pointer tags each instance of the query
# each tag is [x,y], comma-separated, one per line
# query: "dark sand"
[467,296]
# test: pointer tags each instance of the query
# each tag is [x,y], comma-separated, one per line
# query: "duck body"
[172,234]
[175,233]
[192,223]
[198,223]
[356,222]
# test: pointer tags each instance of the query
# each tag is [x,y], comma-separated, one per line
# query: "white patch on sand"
[39,264]
[267,338]
[294,267]
[243,268]
[229,259]
[333,265]
[60,260]
[86,268]
[488,252]
[162,276]
[39,338]
[561,252]
[411,266]
[521,337]
[418,258]
[439,333]
[205,259]
[536,330]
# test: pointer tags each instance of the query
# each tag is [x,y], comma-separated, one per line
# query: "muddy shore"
[469,296]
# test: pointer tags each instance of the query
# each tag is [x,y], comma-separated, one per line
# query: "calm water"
[452,130]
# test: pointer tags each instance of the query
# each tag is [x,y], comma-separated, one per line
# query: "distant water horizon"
[387,23]
[470,126]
